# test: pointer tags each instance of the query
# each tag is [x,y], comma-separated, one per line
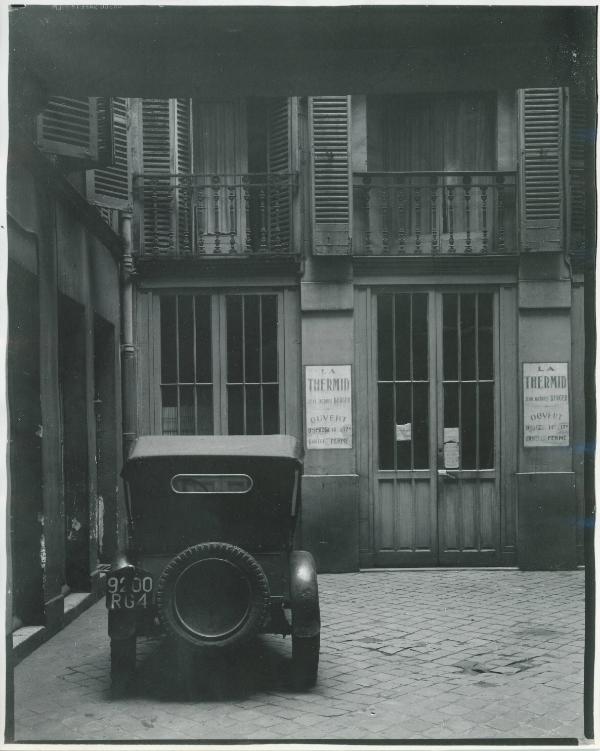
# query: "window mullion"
[177,364]
[244,389]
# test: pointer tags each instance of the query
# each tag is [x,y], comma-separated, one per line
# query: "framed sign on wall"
[545,404]
[328,391]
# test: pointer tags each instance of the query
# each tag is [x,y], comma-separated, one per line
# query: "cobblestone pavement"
[446,654]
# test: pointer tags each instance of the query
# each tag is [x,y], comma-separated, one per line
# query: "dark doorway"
[74,444]
[106,445]
[25,422]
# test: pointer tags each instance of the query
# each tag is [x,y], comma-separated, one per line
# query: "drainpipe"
[128,358]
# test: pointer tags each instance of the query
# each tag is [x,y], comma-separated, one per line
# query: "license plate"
[126,591]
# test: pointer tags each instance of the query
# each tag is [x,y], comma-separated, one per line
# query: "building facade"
[398,276]
[63,382]
[381,276]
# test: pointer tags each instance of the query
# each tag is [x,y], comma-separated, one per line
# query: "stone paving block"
[390,668]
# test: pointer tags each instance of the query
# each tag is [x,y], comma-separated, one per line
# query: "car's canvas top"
[272,446]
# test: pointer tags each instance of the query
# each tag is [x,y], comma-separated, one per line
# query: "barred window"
[252,368]
[186,365]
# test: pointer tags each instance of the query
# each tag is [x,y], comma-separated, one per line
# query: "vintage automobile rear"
[210,553]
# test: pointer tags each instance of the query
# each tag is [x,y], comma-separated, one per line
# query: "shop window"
[186,365]
[210,383]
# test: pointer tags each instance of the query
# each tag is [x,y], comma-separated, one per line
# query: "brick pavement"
[446,654]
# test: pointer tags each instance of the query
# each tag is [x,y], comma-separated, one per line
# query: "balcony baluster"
[467,188]
[500,192]
[216,183]
[451,248]
[366,199]
[434,199]
[418,220]
[484,230]
[232,227]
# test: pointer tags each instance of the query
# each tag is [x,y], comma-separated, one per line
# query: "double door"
[434,428]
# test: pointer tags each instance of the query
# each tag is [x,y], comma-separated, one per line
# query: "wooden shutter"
[331,172]
[110,186]
[541,133]
[157,231]
[69,127]
[281,116]
[182,167]
[581,189]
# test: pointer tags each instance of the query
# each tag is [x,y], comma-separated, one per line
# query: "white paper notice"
[451,448]
[328,407]
[404,432]
[545,404]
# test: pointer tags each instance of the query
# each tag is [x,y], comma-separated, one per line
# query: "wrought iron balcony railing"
[428,213]
[197,215]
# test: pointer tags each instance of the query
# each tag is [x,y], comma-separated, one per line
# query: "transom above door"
[434,408]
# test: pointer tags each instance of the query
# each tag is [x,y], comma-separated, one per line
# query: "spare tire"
[213,595]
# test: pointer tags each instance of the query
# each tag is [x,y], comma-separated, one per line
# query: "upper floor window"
[441,132]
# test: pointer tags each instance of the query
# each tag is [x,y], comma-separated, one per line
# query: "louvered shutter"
[541,167]
[581,192]
[182,163]
[110,186]
[280,119]
[331,172]
[69,127]
[157,229]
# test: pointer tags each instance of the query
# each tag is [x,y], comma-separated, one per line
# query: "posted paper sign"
[328,407]
[451,448]
[545,404]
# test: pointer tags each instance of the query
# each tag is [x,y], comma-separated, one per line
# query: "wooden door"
[434,457]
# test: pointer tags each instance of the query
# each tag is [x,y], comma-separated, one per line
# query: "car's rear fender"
[304,595]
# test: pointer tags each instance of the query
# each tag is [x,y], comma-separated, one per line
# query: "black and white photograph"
[299,340]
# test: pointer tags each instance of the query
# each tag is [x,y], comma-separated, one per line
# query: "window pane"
[468,432]
[270,409]
[203,340]
[384,337]
[253,411]
[187,424]
[235,373]
[185,322]
[402,321]
[168,339]
[420,337]
[450,335]
[269,338]
[386,426]
[252,338]
[486,425]
[467,337]
[169,410]
[486,339]
[204,410]
[420,426]
[235,410]
[451,405]
[403,417]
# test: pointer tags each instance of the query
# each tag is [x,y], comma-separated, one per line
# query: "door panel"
[405,522]
[468,498]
